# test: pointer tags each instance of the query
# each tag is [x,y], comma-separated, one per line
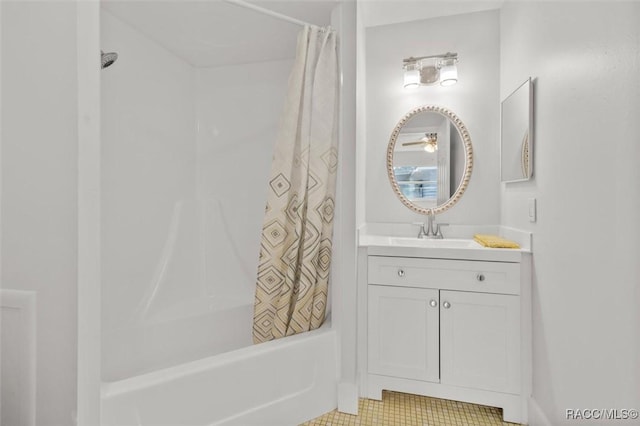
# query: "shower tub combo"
[182,209]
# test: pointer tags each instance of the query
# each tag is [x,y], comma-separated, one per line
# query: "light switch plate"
[532,210]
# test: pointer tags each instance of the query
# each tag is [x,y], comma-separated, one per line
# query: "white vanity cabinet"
[447,328]
[480,341]
[404,326]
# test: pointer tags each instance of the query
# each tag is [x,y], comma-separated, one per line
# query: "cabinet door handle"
[480,277]
[400,273]
[446,305]
[433,303]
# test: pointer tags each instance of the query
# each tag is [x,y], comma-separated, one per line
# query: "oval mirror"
[429,159]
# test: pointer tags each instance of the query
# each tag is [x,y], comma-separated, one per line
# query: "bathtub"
[186,332]
[278,383]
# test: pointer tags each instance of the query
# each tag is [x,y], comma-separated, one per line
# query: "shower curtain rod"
[269,12]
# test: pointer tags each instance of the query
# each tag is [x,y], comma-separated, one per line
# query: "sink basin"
[423,242]
[447,248]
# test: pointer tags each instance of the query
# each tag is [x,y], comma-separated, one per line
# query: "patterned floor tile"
[401,409]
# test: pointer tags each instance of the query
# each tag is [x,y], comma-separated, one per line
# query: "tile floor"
[401,409]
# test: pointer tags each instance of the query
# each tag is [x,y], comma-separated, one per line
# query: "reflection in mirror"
[429,159]
[516,150]
[421,159]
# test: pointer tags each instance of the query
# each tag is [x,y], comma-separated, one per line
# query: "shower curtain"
[295,251]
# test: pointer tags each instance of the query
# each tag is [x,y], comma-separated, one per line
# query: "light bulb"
[431,145]
[411,75]
[448,73]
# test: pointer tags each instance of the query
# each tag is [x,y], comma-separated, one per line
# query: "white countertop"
[399,240]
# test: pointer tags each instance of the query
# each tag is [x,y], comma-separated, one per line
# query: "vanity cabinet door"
[480,343]
[403,332]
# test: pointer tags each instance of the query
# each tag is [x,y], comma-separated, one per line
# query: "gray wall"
[584,59]
[39,187]
[476,39]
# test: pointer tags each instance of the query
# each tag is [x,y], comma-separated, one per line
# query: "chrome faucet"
[432,230]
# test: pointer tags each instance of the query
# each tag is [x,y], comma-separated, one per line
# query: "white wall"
[148,168]
[361,117]
[238,111]
[586,321]
[89,346]
[39,187]
[475,37]
[343,297]
[384,12]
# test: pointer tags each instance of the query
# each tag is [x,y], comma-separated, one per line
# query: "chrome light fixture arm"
[448,55]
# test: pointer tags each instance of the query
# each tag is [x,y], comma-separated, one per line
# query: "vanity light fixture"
[428,70]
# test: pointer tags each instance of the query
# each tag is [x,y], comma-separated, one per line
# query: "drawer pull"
[480,277]
[400,273]
[446,305]
[433,303]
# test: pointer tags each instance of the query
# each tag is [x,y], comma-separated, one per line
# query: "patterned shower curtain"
[295,251]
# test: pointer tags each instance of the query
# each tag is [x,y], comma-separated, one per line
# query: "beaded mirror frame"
[468,155]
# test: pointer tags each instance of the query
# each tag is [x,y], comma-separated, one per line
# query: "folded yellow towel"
[494,241]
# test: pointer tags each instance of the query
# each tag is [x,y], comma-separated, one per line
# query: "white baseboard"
[536,415]
[348,398]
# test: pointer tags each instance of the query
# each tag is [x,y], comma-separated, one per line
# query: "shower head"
[107,59]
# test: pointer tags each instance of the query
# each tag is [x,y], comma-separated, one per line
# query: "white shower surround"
[185,159]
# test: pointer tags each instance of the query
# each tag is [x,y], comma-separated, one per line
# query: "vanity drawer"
[463,275]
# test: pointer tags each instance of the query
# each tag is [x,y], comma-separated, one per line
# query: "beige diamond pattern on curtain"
[295,252]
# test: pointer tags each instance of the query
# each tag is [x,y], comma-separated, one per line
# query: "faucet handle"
[438,232]
[421,232]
